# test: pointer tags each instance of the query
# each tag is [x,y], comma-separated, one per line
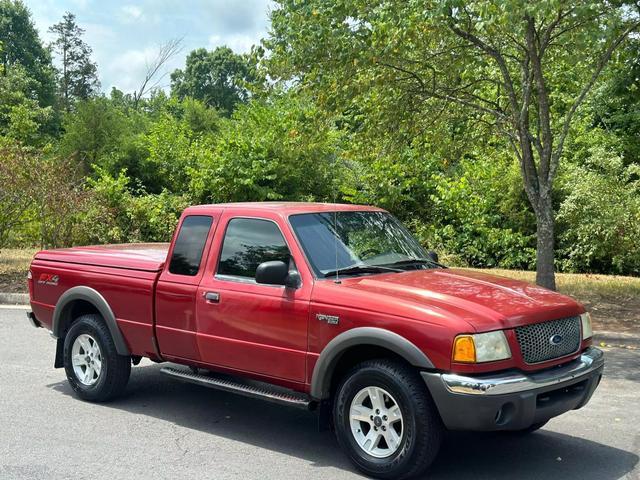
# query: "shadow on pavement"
[294,432]
[623,364]
[541,455]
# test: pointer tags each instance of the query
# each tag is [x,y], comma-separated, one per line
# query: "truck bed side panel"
[129,293]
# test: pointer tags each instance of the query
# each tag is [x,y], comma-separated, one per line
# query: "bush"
[278,150]
[15,182]
[115,215]
[482,215]
[155,216]
[599,220]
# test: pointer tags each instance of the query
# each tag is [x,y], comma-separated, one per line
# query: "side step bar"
[255,390]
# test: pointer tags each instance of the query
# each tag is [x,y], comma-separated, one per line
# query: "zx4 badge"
[48,279]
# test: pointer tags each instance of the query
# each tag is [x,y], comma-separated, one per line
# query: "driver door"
[246,326]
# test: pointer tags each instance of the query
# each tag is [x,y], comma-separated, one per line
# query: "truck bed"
[149,257]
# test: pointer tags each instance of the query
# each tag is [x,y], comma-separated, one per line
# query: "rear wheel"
[95,370]
[386,421]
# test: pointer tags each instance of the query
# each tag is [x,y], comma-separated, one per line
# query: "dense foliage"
[524,67]
[317,117]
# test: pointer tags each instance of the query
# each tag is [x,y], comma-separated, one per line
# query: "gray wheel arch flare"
[379,337]
[62,313]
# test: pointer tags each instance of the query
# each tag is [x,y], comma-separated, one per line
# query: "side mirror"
[276,272]
[293,280]
[433,255]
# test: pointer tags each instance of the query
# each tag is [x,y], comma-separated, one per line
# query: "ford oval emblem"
[556,339]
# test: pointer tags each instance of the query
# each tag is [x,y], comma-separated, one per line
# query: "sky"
[125,34]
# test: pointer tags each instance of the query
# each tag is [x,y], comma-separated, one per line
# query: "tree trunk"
[545,226]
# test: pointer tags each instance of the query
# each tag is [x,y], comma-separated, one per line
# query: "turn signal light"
[464,349]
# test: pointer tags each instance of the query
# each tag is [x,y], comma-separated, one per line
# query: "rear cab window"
[189,245]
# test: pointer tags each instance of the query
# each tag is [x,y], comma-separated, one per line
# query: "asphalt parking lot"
[167,429]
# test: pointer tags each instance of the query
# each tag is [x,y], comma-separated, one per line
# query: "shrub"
[114,214]
[277,150]
[599,219]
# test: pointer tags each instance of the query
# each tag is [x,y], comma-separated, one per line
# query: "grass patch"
[582,284]
[14,265]
[613,300]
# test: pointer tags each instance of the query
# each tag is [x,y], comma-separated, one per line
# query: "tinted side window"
[249,242]
[187,252]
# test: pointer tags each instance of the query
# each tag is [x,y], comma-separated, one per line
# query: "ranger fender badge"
[330,319]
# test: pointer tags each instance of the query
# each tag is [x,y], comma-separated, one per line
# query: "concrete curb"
[14,298]
[603,338]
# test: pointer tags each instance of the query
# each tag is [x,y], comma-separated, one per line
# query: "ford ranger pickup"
[327,307]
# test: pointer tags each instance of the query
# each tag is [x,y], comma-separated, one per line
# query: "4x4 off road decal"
[48,279]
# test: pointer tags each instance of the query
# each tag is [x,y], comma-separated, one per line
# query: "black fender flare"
[62,312]
[379,337]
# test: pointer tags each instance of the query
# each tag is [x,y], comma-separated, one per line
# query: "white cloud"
[131,13]
[129,68]
[81,4]
[123,33]
[239,43]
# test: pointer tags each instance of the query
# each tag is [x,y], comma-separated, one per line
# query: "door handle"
[212,297]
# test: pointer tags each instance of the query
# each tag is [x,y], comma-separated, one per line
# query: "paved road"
[167,429]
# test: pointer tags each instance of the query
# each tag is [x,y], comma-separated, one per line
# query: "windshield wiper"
[360,268]
[416,261]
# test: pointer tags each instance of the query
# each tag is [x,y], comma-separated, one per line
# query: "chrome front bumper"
[514,400]
[513,382]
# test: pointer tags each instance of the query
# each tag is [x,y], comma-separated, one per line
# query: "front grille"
[544,341]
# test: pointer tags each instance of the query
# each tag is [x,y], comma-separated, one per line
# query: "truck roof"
[150,257]
[288,208]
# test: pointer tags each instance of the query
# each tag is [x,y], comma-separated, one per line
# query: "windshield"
[335,241]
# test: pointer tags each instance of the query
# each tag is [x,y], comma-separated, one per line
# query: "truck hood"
[485,302]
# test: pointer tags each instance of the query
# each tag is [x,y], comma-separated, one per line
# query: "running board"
[253,389]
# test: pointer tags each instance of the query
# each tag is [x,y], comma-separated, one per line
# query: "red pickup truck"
[327,307]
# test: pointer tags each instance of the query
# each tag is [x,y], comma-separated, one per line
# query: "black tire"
[422,430]
[115,369]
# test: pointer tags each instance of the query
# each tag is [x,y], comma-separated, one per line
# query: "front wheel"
[95,370]
[386,421]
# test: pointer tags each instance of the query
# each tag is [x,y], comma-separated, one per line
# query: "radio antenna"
[335,243]
[335,222]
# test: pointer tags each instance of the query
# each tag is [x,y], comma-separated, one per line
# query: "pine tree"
[77,76]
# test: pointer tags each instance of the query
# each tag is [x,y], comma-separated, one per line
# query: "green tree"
[600,215]
[279,149]
[21,45]
[524,67]
[58,200]
[15,186]
[21,117]
[78,78]
[94,132]
[113,213]
[616,107]
[218,78]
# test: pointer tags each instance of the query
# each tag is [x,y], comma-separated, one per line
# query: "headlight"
[481,347]
[587,331]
